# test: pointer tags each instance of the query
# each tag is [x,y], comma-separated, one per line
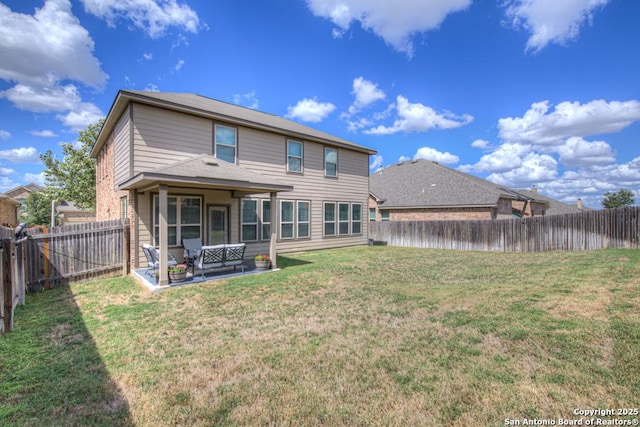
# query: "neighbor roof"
[9,199]
[23,188]
[556,207]
[203,170]
[217,110]
[426,184]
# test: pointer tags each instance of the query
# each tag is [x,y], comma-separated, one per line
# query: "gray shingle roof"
[205,169]
[424,183]
[212,108]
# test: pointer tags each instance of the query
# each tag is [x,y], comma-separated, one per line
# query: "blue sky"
[521,92]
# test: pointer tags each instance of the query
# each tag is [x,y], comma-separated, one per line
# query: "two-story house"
[183,166]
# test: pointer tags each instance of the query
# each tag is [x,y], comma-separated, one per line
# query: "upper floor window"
[225,143]
[330,162]
[294,156]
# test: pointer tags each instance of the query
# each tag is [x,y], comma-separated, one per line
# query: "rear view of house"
[185,166]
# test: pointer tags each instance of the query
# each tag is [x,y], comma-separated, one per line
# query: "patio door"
[218,225]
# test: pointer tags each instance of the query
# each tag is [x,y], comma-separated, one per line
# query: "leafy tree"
[74,177]
[39,208]
[620,198]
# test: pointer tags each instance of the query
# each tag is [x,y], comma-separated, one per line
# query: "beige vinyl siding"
[265,153]
[162,137]
[121,133]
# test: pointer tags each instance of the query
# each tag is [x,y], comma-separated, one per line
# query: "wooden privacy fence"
[12,280]
[608,228]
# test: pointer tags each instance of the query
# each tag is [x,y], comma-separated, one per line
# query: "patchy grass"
[358,336]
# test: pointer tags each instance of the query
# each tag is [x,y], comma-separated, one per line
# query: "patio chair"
[192,249]
[153,259]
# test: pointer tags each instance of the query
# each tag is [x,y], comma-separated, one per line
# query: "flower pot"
[177,277]
[263,265]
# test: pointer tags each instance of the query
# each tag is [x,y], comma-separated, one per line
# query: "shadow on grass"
[51,371]
[284,262]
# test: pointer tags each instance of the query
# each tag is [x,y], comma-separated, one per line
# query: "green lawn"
[358,336]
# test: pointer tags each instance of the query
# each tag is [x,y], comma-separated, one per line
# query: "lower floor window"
[342,218]
[184,218]
[295,219]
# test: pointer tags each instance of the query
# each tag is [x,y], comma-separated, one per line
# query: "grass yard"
[358,336]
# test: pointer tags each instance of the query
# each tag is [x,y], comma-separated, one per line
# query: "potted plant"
[263,262]
[178,273]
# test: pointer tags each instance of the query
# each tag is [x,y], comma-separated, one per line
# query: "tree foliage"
[74,177]
[622,197]
[39,208]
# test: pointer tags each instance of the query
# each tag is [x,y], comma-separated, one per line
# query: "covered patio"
[203,173]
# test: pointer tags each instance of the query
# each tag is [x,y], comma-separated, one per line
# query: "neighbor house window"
[266,219]
[384,215]
[249,215]
[330,162]
[286,219]
[372,214]
[329,219]
[225,143]
[294,156]
[303,219]
[356,218]
[184,218]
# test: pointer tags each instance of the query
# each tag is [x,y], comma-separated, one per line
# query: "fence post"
[125,250]
[3,285]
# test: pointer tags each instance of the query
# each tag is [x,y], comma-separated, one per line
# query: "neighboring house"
[425,190]
[20,194]
[68,213]
[556,207]
[8,211]
[184,166]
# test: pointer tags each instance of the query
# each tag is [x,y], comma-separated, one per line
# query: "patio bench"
[218,256]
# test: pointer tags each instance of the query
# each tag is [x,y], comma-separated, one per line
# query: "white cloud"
[43,99]
[395,22]
[6,171]
[540,127]
[151,88]
[506,157]
[310,110]
[147,56]
[436,156]
[535,168]
[578,152]
[480,143]
[50,45]
[356,125]
[43,133]
[248,100]
[366,93]
[551,21]
[416,117]
[82,116]
[4,134]
[179,65]
[36,178]
[376,162]
[20,155]
[152,16]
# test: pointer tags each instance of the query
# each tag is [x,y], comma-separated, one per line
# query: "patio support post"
[163,232]
[274,229]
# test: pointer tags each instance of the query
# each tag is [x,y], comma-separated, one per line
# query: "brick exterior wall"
[8,213]
[439,214]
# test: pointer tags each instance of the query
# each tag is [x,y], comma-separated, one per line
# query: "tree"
[620,198]
[74,177]
[39,208]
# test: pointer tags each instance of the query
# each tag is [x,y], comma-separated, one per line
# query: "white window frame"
[248,224]
[343,221]
[178,224]
[324,219]
[326,150]
[302,222]
[265,227]
[353,221]
[290,156]
[292,223]
[216,143]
